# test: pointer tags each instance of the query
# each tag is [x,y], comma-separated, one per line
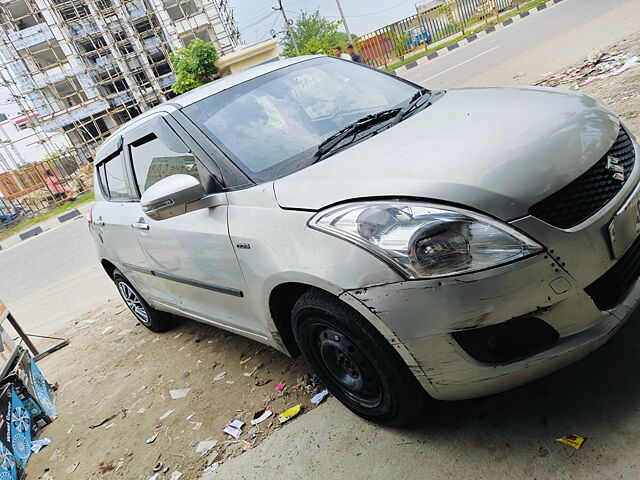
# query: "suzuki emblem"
[613,166]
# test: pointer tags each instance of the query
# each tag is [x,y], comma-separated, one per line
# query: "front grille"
[609,290]
[587,194]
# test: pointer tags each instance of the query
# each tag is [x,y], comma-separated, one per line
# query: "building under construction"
[84,67]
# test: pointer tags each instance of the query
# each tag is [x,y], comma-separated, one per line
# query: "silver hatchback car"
[409,243]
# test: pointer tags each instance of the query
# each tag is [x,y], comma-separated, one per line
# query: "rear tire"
[148,316]
[354,361]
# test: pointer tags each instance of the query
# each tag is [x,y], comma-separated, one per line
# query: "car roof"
[197,94]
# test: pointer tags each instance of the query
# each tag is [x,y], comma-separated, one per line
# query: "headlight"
[426,241]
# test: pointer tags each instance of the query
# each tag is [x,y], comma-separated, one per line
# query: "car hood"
[498,150]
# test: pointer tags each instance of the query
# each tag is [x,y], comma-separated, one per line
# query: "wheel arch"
[283,297]
[109,267]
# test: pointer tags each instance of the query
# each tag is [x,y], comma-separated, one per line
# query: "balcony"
[121,99]
[30,36]
[74,114]
[136,9]
[83,28]
[167,81]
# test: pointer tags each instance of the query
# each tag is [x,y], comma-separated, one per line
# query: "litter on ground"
[166,414]
[289,414]
[319,397]
[72,468]
[181,393]
[597,66]
[37,445]
[203,447]
[574,441]
[261,416]
[234,428]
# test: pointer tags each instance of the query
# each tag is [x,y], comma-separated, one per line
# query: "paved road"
[49,279]
[540,44]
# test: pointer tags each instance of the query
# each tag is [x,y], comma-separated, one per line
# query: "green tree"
[342,37]
[399,40]
[194,65]
[314,34]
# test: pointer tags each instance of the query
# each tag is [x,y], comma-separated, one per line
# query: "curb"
[471,38]
[30,233]
[68,216]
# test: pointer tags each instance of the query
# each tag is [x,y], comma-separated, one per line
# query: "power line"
[256,22]
[373,13]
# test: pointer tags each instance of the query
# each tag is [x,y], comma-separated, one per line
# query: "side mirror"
[176,195]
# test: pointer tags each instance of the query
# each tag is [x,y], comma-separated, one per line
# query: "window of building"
[71,11]
[203,34]
[153,161]
[65,93]
[45,55]
[92,128]
[104,4]
[112,177]
[142,80]
[22,14]
[92,44]
[179,9]
[162,69]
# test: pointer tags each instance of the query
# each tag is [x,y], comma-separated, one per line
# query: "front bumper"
[423,315]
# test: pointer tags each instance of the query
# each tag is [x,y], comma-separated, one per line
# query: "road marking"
[460,64]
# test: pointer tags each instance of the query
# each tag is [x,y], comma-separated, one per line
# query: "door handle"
[99,223]
[140,226]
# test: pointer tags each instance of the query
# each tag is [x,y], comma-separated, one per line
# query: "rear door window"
[112,177]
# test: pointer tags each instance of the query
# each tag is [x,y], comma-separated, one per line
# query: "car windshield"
[272,125]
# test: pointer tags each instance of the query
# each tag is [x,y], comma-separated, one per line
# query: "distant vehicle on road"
[406,241]
[417,36]
[6,216]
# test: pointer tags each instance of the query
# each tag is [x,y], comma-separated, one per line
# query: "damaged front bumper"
[425,316]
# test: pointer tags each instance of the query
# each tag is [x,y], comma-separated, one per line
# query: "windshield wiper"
[414,102]
[361,125]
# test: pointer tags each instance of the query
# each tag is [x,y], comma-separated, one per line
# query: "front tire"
[148,316]
[354,361]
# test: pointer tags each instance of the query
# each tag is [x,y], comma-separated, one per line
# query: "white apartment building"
[84,67]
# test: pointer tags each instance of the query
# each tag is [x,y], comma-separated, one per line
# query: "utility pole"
[286,22]
[344,20]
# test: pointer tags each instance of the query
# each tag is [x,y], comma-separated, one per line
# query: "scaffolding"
[85,67]
[82,68]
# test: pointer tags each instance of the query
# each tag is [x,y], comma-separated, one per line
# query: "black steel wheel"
[354,360]
[148,316]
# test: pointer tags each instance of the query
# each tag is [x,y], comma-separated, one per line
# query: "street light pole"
[286,22]
[344,20]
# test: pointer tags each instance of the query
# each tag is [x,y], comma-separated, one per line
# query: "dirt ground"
[620,92]
[116,367]
[128,371]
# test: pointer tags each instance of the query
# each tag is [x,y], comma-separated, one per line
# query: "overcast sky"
[256,18]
